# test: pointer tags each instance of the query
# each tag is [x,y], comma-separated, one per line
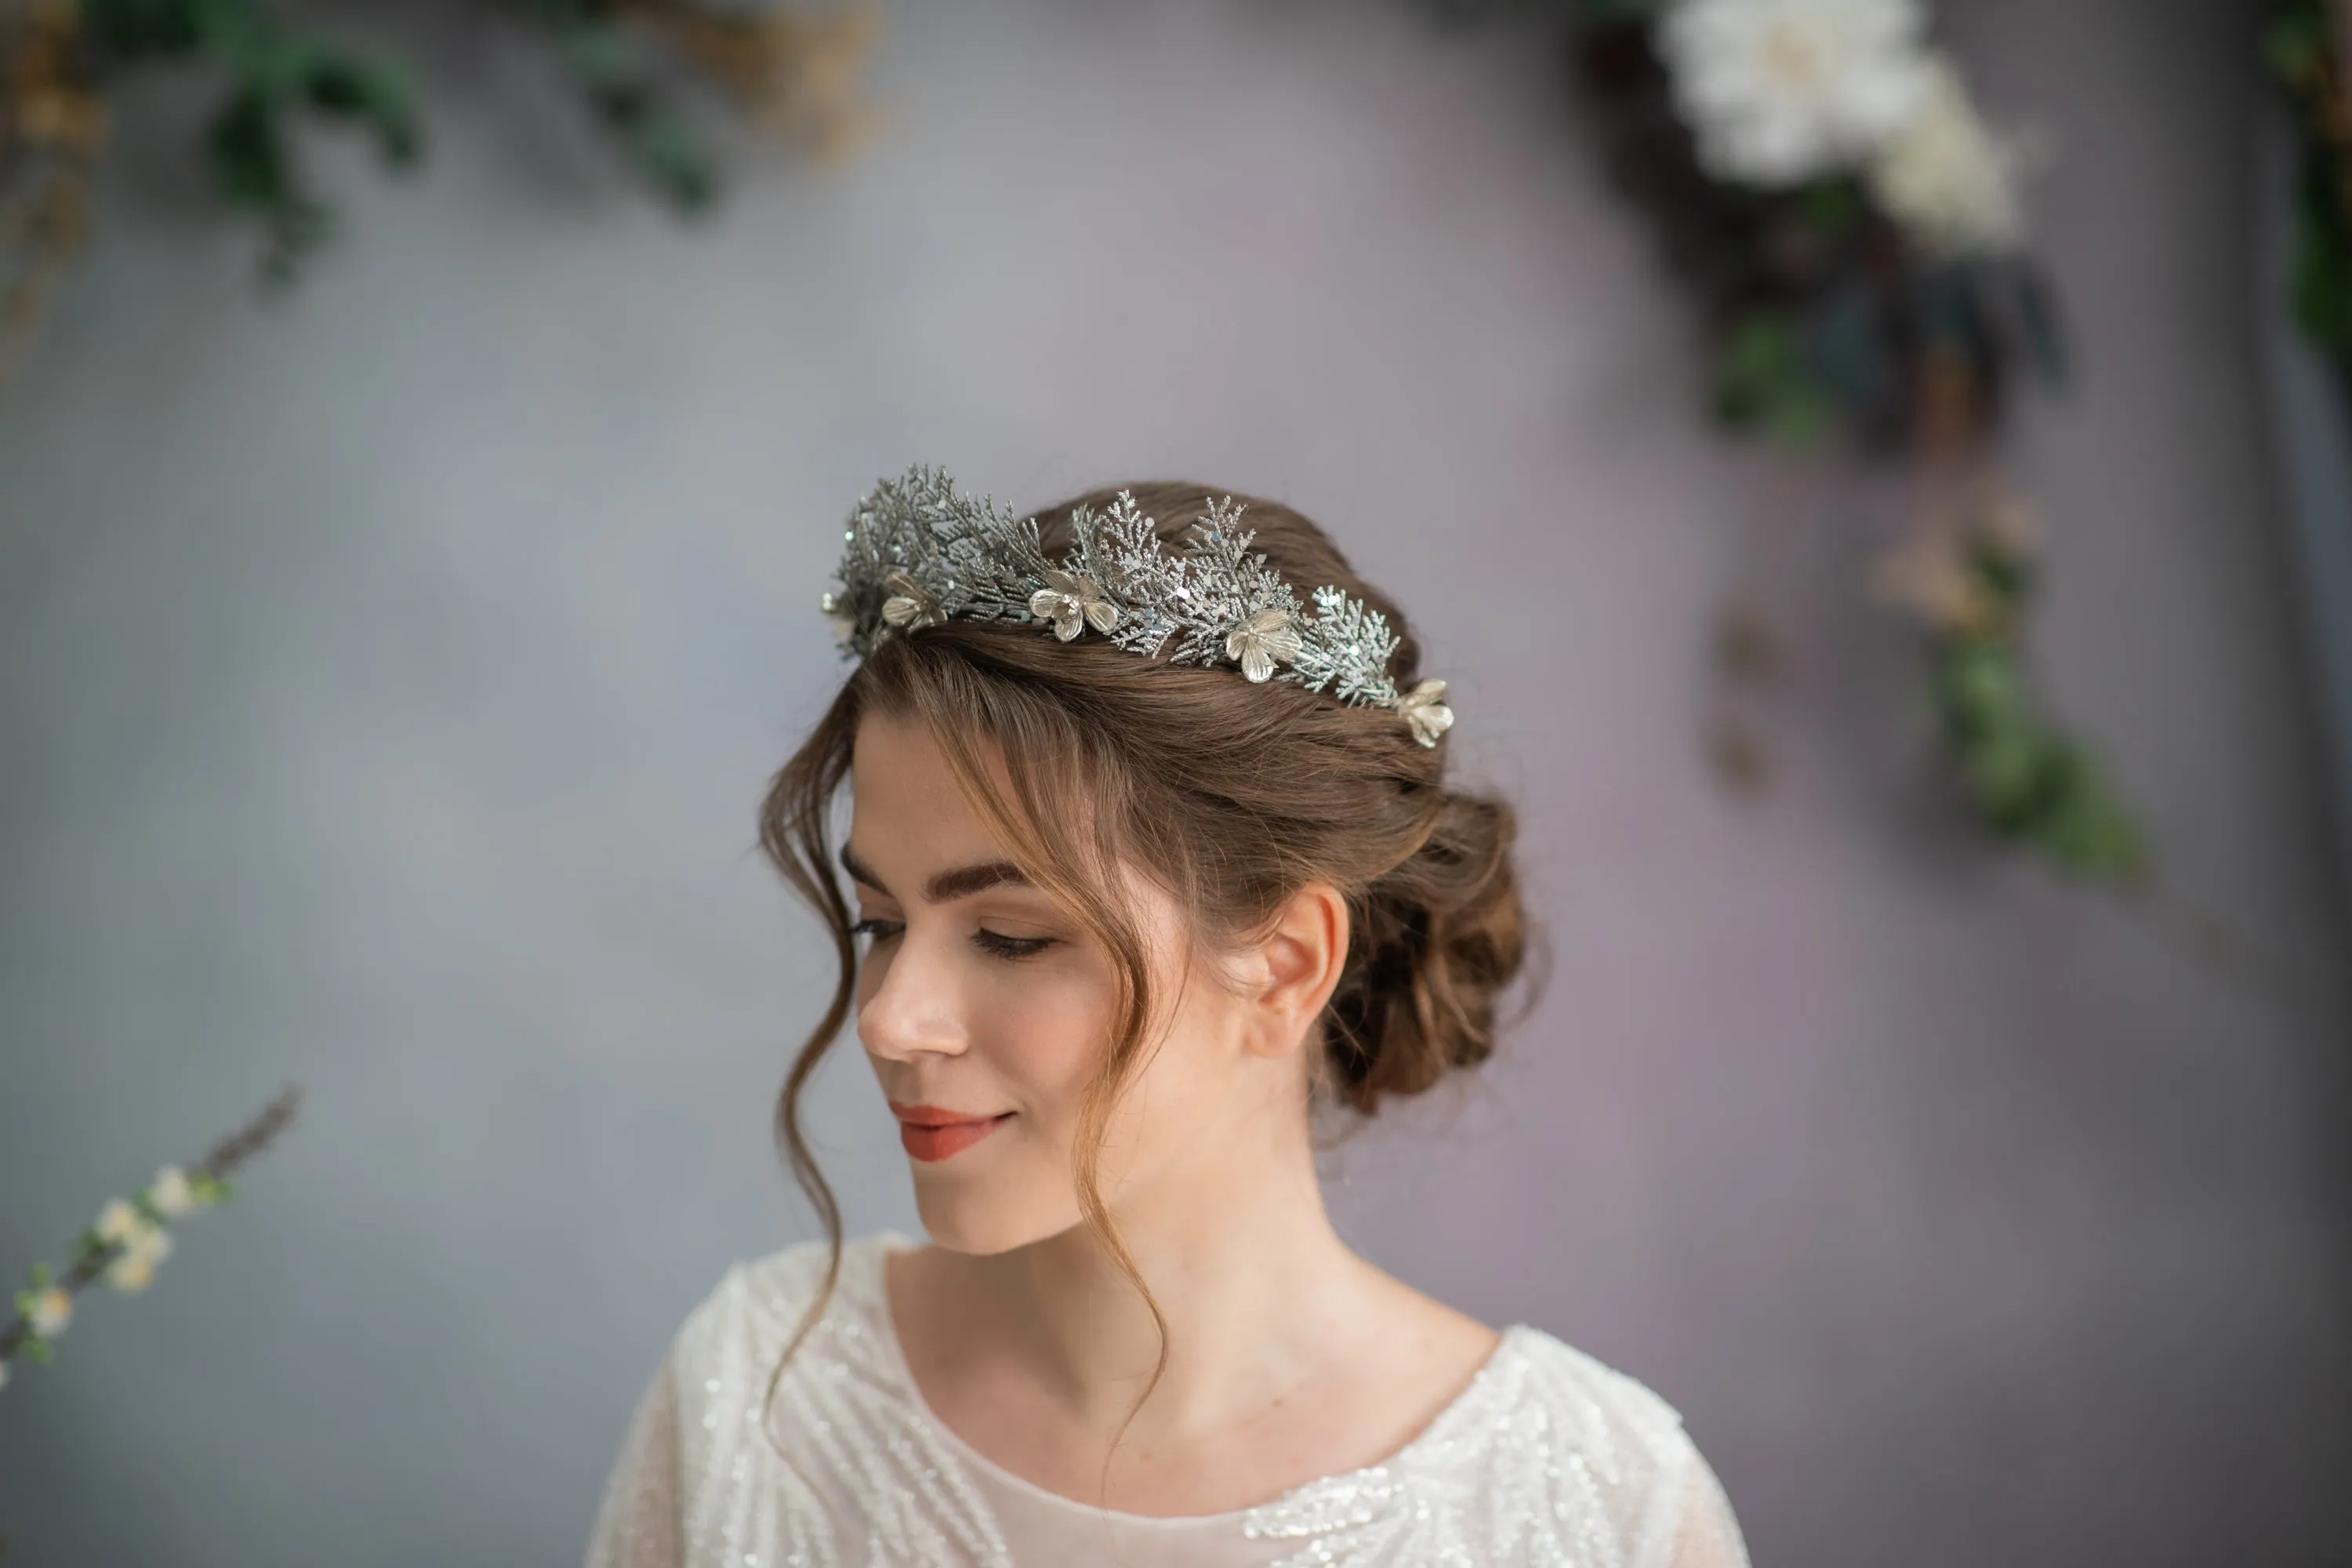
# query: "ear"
[1296,969]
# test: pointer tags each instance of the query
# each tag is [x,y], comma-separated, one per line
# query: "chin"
[981,1219]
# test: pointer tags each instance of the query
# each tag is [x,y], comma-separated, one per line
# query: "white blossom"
[119,1222]
[49,1311]
[1779,91]
[1946,176]
[134,1268]
[172,1193]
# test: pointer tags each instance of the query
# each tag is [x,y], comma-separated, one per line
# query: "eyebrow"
[944,887]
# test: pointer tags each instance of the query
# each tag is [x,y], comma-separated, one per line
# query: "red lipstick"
[930,1134]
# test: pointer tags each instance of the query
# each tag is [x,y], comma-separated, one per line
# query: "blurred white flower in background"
[1946,177]
[47,1311]
[1779,91]
[134,1269]
[144,1243]
[119,1222]
[171,1192]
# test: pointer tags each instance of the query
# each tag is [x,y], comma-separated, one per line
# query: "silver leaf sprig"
[916,552]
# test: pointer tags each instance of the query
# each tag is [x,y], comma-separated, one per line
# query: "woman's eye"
[1004,946]
[996,944]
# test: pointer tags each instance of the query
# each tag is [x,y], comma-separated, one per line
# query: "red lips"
[930,1134]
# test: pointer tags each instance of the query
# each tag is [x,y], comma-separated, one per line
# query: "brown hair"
[1230,796]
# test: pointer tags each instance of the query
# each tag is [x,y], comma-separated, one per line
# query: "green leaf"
[251,168]
[2009,577]
[42,1280]
[2005,773]
[1980,687]
[37,1350]
[2029,783]
[1766,381]
[1799,417]
[672,154]
[2086,830]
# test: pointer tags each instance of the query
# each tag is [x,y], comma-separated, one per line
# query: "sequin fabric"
[1548,1459]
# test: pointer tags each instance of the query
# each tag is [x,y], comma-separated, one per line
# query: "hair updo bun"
[1435,941]
[1234,794]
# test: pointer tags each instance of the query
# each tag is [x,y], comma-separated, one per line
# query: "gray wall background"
[386,682]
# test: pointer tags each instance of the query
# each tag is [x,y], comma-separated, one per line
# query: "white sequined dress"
[1547,1458]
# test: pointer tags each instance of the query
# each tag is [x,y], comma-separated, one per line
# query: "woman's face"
[985,1010]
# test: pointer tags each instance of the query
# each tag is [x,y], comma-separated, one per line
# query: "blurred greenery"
[625,87]
[275,71]
[1767,379]
[278,72]
[1832,327]
[2302,51]
[2029,781]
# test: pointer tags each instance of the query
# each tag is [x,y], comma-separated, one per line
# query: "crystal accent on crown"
[916,552]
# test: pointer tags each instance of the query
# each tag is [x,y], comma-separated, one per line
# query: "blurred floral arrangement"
[130,1236]
[2309,45]
[637,64]
[1819,179]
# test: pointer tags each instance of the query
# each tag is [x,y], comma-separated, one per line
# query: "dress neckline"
[862,1271]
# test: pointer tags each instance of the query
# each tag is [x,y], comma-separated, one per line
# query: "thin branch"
[225,1157]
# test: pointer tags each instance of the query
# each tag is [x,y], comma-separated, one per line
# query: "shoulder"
[1559,1375]
[1548,1456]
[1608,1447]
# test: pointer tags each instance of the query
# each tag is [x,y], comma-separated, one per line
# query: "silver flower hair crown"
[917,553]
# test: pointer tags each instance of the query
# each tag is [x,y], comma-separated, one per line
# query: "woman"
[1152,863]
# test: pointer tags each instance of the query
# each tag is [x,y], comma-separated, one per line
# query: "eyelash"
[994,943]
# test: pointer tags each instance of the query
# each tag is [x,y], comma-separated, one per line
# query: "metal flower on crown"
[917,554]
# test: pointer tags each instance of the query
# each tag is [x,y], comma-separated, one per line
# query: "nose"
[914,1006]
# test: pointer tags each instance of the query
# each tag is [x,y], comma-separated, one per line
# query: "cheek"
[1177,1100]
[1044,1034]
[1181,1091]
